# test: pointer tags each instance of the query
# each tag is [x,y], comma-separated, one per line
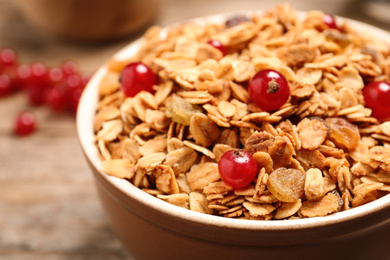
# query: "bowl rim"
[84,124]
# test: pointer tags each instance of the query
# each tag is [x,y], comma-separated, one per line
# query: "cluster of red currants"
[59,87]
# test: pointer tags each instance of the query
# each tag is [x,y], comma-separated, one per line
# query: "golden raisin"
[180,110]
[286,184]
[343,133]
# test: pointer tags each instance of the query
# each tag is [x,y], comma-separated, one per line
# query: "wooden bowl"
[89,20]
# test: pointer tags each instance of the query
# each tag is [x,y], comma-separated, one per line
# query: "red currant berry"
[7,58]
[330,21]
[23,75]
[25,124]
[269,89]
[55,75]
[37,84]
[69,68]
[56,98]
[237,168]
[136,77]
[218,45]
[5,85]
[377,97]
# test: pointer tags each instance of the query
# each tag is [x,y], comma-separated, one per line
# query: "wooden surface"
[49,208]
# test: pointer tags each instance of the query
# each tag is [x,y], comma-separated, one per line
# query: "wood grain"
[49,208]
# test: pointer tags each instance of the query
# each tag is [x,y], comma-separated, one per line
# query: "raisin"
[343,133]
[286,184]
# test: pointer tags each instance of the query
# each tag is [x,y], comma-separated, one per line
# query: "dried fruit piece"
[343,133]
[180,110]
[286,185]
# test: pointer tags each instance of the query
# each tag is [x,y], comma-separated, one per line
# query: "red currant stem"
[238,152]
[273,86]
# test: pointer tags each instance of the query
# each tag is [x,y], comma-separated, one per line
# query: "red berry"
[269,89]
[136,77]
[37,84]
[56,98]
[69,68]
[23,75]
[377,97]
[25,124]
[218,45]
[55,75]
[7,58]
[330,21]
[237,168]
[5,85]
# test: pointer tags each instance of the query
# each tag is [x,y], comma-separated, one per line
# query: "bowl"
[150,228]
[85,20]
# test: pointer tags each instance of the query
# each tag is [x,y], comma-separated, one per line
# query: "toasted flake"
[150,161]
[179,199]
[385,128]
[107,113]
[239,92]
[121,168]
[202,175]
[258,209]
[288,209]
[155,145]
[226,109]
[312,133]
[181,159]
[381,154]
[325,206]
[110,130]
[204,131]
[199,203]
[201,149]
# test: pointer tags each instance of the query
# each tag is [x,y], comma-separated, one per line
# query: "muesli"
[319,152]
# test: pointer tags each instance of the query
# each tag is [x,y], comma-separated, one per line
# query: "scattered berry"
[377,97]
[269,89]
[237,168]
[137,77]
[7,58]
[25,124]
[59,87]
[5,85]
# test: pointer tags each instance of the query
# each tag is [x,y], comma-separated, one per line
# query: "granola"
[331,154]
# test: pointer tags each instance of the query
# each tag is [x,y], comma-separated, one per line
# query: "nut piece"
[314,184]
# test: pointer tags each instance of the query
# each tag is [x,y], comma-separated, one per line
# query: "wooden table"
[48,204]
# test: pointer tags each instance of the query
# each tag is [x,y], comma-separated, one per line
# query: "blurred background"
[48,204]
